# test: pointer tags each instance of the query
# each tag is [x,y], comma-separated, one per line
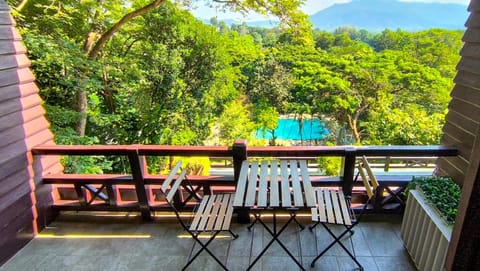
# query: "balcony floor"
[81,242]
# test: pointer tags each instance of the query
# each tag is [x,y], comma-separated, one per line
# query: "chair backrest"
[370,182]
[169,189]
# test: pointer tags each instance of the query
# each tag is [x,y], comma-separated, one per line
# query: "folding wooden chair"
[213,215]
[333,207]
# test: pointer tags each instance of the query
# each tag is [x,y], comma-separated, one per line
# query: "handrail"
[239,152]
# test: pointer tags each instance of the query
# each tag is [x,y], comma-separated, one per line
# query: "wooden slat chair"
[333,207]
[213,215]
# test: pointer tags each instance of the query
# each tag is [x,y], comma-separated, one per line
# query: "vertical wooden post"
[348,171]
[239,153]
[137,174]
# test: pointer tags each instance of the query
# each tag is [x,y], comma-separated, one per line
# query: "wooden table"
[269,186]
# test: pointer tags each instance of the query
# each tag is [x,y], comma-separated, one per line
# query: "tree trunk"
[93,46]
[81,107]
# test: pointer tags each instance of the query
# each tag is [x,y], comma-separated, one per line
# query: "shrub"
[442,192]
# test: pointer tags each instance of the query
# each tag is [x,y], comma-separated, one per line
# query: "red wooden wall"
[23,205]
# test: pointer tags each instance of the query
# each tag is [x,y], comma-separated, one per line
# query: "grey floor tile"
[347,264]
[112,245]
[324,263]
[395,263]
[382,239]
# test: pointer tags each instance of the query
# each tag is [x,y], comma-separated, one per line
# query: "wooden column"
[137,173]
[348,171]
[239,152]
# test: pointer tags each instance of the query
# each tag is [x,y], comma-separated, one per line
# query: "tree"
[269,84]
[93,24]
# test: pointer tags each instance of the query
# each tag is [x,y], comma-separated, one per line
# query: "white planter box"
[425,234]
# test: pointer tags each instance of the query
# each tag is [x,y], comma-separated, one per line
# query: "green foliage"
[442,192]
[235,123]
[167,78]
[329,165]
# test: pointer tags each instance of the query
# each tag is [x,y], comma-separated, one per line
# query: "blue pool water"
[289,129]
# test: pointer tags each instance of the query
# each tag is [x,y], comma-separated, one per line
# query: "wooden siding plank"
[24,130]
[458,132]
[19,117]
[12,182]
[14,61]
[464,93]
[14,195]
[467,79]
[471,35]
[460,121]
[469,64]
[464,148]
[473,20]
[464,108]
[9,33]
[458,162]
[16,76]
[12,47]
[38,138]
[471,49]
[447,169]
[18,91]
[13,165]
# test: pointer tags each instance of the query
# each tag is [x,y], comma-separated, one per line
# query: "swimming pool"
[289,129]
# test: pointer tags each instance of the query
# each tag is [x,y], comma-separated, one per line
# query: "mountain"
[376,15]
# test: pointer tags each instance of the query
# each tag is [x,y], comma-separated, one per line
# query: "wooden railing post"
[239,153]
[137,173]
[348,171]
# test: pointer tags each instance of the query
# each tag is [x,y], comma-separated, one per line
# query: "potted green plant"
[430,212]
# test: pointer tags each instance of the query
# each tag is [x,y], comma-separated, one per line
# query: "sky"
[310,7]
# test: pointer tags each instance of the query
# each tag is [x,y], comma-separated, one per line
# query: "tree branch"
[117,26]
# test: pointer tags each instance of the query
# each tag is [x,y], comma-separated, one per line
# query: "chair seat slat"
[344,208]
[214,213]
[336,207]
[197,217]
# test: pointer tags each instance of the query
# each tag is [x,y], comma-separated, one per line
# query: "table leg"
[275,237]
